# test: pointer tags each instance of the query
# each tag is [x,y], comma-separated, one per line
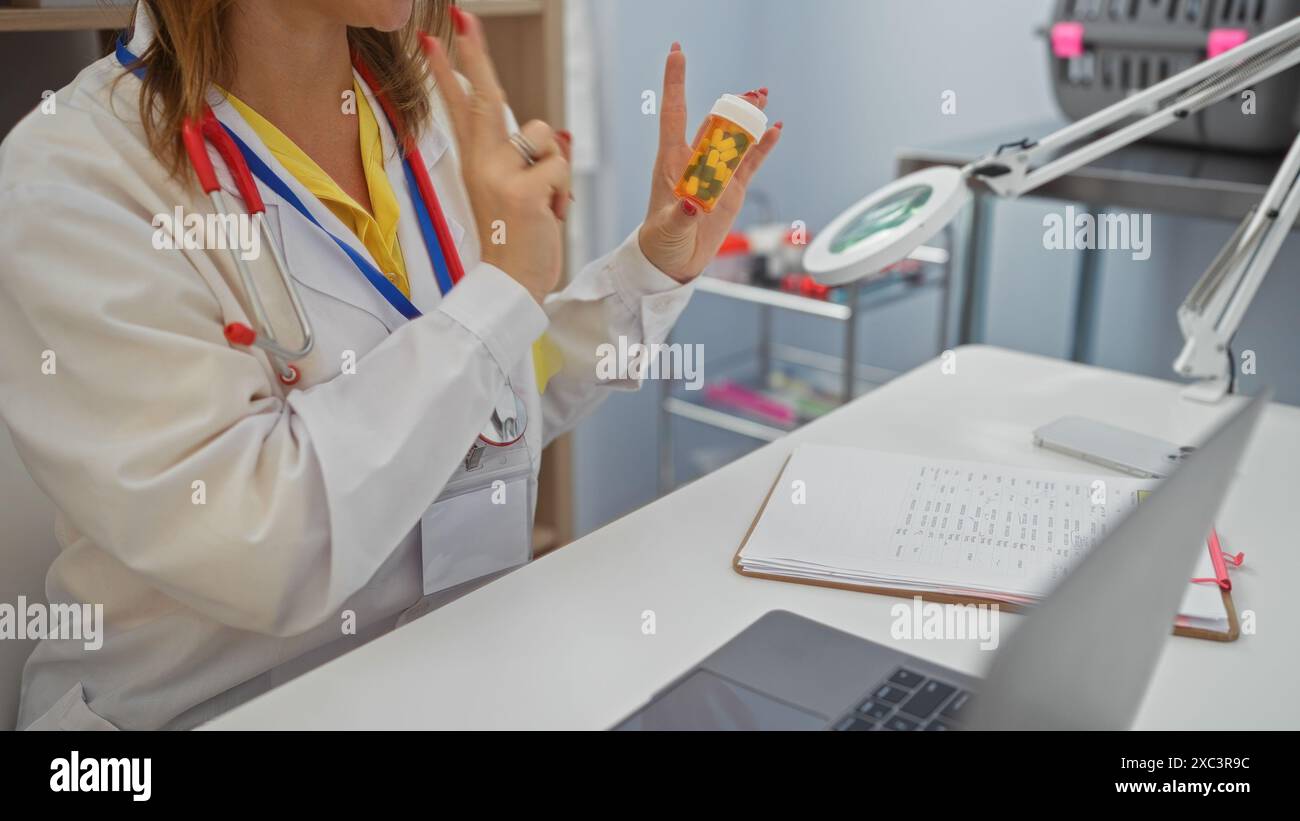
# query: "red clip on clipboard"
[1221,563]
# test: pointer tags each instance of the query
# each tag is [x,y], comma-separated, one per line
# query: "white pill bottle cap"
[743,113]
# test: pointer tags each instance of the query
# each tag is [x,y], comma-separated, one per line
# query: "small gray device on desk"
[1116,448]
[1080,660]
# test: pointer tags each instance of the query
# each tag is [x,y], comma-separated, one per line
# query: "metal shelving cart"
[842,375]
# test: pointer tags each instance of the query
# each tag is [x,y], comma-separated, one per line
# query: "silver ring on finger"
[525,148]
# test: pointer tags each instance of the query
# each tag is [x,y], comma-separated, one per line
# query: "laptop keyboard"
[908,700]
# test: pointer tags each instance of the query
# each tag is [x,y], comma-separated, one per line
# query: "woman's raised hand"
[529,202]
[676,237]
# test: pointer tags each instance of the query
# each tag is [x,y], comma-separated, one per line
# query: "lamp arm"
[1213,311]
[1019,168]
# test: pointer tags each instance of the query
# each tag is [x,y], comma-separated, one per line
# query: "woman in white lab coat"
[238,532]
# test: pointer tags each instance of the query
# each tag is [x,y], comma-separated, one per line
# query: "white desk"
[558,644]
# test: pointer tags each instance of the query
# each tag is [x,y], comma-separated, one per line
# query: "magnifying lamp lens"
[884,227]
[886,215]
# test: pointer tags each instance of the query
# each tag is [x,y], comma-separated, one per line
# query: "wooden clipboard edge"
[1232,633]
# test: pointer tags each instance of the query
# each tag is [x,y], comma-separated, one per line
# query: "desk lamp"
[885,227]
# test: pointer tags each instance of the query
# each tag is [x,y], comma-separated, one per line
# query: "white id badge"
[481,522]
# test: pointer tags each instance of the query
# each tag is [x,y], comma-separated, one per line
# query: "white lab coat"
[313,497]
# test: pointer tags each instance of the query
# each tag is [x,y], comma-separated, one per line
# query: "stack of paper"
[913,524]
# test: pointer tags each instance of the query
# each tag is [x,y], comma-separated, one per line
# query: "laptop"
[1082,659]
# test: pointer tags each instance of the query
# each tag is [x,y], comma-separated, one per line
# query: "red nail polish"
[763,91]
[565,135]
[780,124]
[676,46]
[429,44]
[460,20]
[688,208]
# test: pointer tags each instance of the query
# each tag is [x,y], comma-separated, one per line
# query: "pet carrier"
[1102,50]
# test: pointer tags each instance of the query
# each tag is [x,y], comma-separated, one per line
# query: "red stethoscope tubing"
[418,169]
[193,136]
[427,194]
[209,128]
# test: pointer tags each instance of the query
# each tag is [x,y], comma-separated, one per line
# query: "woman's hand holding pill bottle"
[692,211]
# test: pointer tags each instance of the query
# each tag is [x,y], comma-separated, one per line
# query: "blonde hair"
[188,55]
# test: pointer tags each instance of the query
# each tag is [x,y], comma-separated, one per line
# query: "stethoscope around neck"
[509,416]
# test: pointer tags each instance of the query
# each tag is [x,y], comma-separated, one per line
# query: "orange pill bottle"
[735,126]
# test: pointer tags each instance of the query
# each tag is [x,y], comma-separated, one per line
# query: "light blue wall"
[854,80]
[616,450]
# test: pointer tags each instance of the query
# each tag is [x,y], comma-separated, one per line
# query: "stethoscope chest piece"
[508,422]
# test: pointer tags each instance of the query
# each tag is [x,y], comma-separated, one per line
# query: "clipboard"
[1224,582]
[1225,585]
